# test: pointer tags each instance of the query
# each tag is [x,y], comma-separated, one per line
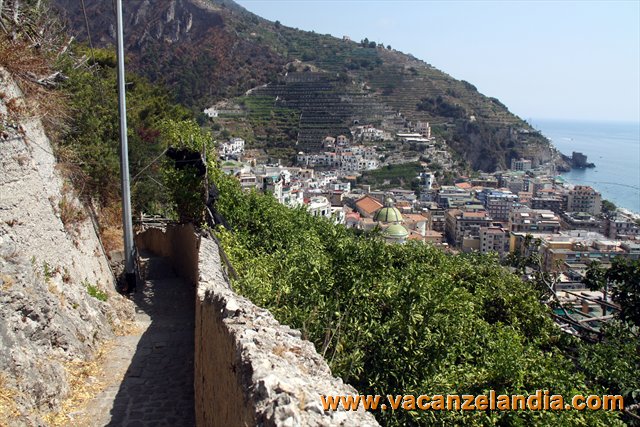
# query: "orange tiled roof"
[368,204]
[463,185]
[473,214]
[415,217]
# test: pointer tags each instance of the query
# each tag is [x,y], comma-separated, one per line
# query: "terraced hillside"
[326,104]
[299,86]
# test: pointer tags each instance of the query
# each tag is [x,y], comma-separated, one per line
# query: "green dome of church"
[396,232]
[389,213]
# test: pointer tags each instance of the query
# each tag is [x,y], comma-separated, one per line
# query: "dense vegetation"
[401,318]
[615,362]
[402,175]
[92,142]
[440,107]
[88,146]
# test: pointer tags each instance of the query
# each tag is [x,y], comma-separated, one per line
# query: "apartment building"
[583,198]
[527,220]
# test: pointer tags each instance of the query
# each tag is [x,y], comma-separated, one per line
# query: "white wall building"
[233,147]
[211,112]
[319,206]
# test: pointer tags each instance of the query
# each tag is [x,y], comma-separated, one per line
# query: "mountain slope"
[182,43]
[209,50]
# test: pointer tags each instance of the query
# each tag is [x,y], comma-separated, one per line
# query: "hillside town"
[526,210]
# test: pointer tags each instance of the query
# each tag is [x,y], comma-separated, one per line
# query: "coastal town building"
[520,164]
[573,249]
[527,220]
[514,181]
[232,148]
[369,133]
[319,206]
[582,221]
[367,206]
[462,227]
[624,227]
[583,198]
[453,197]
[498,202]
[494,238]
[552,203]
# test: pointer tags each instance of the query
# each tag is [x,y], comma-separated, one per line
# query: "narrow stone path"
[151,370]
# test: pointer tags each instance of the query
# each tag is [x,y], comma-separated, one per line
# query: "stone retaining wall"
[179,243]
[249,369]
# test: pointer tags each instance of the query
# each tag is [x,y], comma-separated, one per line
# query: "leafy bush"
[91,144]
[186,183]
[399,174]
[396,319]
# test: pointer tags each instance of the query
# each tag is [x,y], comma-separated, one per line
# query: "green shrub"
[401,319]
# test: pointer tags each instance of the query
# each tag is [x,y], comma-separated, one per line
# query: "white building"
[319,206]
[341,186]
[370,133]
[412,138]
[426,181]
[233,147]
[211,112]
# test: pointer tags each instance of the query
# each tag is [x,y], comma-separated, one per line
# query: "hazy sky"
[543,59]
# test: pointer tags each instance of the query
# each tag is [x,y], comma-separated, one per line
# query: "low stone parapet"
[248,368]
[262,370]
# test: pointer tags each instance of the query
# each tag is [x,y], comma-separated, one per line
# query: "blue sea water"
[613,147]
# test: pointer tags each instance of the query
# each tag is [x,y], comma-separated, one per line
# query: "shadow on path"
[157,389]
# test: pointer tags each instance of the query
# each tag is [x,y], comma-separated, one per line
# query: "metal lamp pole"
[124,153]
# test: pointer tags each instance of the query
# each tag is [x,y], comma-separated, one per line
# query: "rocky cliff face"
[185,44]
[57,296]
[170,21]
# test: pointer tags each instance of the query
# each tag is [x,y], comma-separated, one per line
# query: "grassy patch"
[400,175]
[82,390]
[95,292]
[47,271]
[70,214]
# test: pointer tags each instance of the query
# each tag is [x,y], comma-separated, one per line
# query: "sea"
[614,147]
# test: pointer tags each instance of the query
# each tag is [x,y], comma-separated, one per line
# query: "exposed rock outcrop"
[57,296]
[578,161]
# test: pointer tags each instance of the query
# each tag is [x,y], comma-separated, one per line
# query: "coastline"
[613,147]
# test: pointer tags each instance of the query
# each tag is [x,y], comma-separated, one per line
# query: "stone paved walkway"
[152,369]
